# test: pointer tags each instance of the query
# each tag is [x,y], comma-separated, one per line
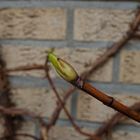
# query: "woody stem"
[107,100]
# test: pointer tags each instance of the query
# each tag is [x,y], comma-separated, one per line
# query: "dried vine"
[5,99]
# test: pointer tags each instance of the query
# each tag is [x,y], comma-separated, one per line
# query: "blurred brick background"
[79,32]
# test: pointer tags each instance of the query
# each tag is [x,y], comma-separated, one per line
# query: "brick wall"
[79,32]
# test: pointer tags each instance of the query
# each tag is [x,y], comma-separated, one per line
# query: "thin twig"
[115,119]
[17,111]
[77,128]
[55,115]
[26,68]
[12,111]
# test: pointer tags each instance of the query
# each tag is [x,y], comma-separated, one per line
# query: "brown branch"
[55,115]
[115,119]
[17,112]
[77,128]
[26,68]
[107,100]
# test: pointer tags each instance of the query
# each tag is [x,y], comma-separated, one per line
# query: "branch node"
[110,102]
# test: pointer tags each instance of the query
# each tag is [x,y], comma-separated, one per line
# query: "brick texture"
[58,132]
[130,66]
[125,135]
[71,134]
[28,127]
[39,100]
[101,24]
[35,23]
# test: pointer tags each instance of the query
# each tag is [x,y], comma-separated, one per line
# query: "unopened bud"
[65,70]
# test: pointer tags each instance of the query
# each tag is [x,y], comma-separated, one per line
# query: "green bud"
[65,70]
